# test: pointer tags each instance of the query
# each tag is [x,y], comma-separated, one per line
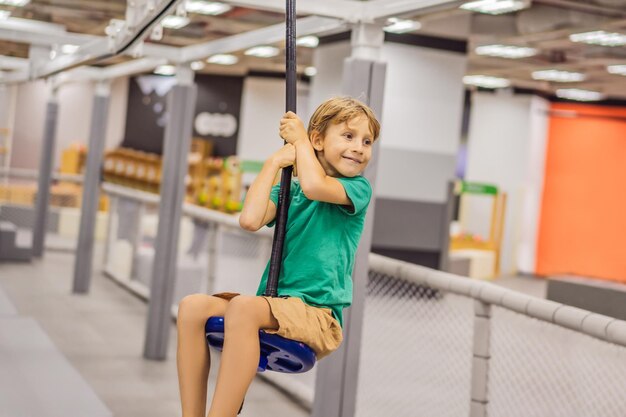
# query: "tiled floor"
[101,334]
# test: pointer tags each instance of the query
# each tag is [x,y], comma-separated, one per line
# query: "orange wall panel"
[582,228]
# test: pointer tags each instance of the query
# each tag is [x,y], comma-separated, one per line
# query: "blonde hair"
[341,109]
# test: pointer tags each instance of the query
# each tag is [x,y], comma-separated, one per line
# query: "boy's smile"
[346,148]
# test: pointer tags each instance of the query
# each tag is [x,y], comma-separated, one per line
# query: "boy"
[325,221]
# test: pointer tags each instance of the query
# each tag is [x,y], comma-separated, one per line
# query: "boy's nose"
[357,147]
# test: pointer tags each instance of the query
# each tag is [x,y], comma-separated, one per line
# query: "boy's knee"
[240,312]
[192,307]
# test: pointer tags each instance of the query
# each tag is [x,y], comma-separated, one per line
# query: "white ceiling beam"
[377,9]
[39,33]
[123,41]
[267,35]
[126,69]
[12,63]
[340,9]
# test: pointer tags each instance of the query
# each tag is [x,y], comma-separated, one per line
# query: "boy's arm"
[258,210]
[315,184]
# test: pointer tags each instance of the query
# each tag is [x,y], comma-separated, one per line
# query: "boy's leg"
[192,355]
[245,315]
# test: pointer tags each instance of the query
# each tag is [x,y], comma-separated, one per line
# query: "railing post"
[480,360]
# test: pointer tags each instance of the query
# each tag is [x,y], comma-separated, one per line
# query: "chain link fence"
[410,365]
[540,369]
[435,344]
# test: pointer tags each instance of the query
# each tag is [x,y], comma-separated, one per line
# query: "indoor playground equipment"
[277,353]
[483,252]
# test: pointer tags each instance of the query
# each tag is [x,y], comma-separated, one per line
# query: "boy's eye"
[348,135]
[367,141]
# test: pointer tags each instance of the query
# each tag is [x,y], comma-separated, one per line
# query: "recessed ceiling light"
[579,95]
[395,25]
[486,81]
[16,3]
[558,76]
[310,71]
[617,69]
[506,51]
[165,70]
[263,51]
[223,59]
[207,7]
[197,65]
[600,37]
[495,6]
[69,49]
[175,22]
[4,14]
[308,41]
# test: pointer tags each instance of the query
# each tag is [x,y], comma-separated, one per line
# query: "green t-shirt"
[320,246]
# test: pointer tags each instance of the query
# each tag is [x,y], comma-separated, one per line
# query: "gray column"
[480,360]
[180,107]
[45,174]
[337,375]
[91,189]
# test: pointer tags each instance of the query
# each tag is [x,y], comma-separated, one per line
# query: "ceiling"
[546,26]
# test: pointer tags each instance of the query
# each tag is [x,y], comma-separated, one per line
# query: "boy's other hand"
[291,128]
[285,156]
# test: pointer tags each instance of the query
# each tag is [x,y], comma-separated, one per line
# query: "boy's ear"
[317,140]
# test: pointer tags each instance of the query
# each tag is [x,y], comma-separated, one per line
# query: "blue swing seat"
[277,353]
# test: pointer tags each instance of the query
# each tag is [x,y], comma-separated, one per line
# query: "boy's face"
[346,148]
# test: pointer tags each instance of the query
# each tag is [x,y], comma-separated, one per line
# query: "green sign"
[478,188]
[251,166]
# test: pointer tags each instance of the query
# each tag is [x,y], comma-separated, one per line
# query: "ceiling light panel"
[495,6]
[617,69]
[401,26]
[579,95]
[15,3]
[223,59]
[263,51]
[197,65]
[175,22]
[558,76]
[207,7]
[310,71]
[600,37]
[308,41]
[486,81]
[69,49]
[165,70]
[506,51]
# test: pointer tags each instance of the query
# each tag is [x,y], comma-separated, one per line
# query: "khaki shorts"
[313,326]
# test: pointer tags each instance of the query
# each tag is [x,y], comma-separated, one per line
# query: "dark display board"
[216,117]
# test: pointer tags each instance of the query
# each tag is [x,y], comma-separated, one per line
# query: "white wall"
[262,106]
[73,123]
[423,104]
[505,147]
[533,185]
[328,60]
[116,124]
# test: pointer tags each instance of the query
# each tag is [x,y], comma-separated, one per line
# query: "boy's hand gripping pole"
[276,260]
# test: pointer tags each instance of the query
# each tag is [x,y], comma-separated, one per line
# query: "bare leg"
[192,355]
[240,358]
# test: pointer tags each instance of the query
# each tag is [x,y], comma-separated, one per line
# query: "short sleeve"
[359,191]
[274,199]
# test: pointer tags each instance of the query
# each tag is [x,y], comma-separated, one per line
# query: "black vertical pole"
[276,259]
